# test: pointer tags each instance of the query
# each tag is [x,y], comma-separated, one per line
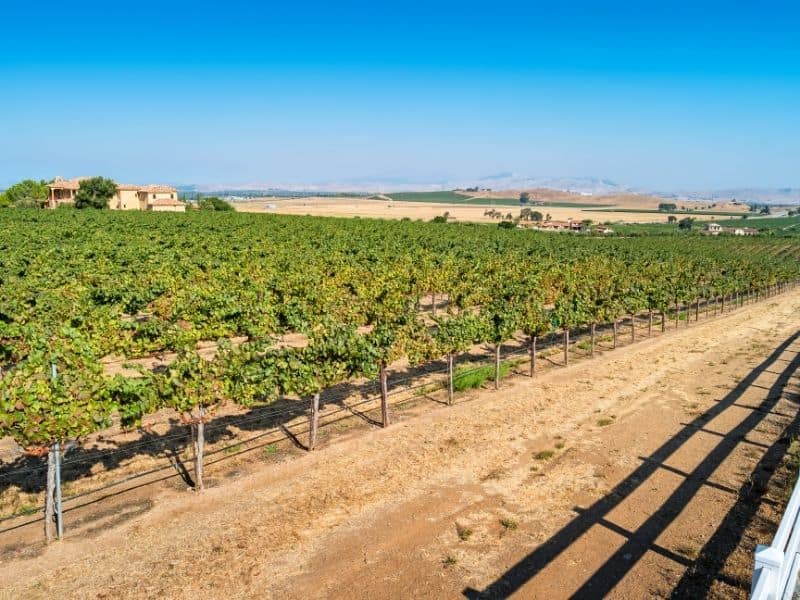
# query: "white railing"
[775,571]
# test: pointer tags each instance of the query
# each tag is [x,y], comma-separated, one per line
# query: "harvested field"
[396,209]
[648,471]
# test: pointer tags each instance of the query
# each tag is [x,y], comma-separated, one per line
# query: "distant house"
[745,231]
[159,198]
[568,225]
[716,229]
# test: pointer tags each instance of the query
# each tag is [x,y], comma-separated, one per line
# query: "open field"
[383,209]
[637,482]
[458,197]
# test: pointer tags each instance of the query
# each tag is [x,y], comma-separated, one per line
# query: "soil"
[649,471]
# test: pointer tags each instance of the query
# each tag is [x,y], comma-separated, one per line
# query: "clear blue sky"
[658,94]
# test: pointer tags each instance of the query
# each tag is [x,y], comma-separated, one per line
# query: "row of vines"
[79,289]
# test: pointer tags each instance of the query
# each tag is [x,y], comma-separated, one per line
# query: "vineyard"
[249,309]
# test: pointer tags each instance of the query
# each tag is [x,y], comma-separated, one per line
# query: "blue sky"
[662,95]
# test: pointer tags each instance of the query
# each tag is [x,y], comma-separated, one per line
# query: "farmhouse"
[716,229]
[569,225]
[159,198]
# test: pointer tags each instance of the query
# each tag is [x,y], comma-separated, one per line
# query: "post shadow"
[608,575]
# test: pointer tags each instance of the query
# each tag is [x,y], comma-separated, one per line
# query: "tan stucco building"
[159,198]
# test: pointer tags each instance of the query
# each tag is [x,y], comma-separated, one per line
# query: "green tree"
[524,198]
[686,224]
[26,194]
[214,203]
[95,192]
[667,206]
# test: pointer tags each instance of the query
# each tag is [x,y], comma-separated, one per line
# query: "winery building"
[159,198]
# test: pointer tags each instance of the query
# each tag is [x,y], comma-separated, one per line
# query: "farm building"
[569,225]
[160,198]
[716,229]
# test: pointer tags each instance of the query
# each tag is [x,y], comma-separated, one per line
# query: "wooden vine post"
[566,345]
[49,503]
[614,345]
[450,378]
[650,323]
[198,429]
[591,339]
[497,347]
[532,350]
[313,425]
[384,378]
[633,328]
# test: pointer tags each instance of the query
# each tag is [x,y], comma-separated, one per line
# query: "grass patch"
[450,561]
[544,455]
[464,533]
[559,445]
[27,509]
[605,421]
[509,524]
[270,450]
[233,449]
[687,550]
[428,389]
[469,377]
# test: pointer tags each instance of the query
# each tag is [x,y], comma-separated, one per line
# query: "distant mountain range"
[594,186]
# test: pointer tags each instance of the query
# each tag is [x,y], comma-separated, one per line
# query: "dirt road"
[635,474]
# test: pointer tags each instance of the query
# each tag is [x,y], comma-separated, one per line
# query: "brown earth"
[385,209]
[645,472]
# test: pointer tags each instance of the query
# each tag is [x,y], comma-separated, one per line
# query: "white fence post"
[767,571]
[776,565]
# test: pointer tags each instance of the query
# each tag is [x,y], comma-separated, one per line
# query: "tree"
[766,210]
[214,203]
[95,193]
[524,198]
[536,216]
[26,194]
[686,224]
[667,206]
[506,224]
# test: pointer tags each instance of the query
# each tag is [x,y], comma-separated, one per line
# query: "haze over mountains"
[594,186]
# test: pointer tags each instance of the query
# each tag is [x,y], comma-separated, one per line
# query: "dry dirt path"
[608,477]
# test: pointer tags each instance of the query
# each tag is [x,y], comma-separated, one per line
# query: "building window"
[154,196]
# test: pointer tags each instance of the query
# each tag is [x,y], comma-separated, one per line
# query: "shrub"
[214,203]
